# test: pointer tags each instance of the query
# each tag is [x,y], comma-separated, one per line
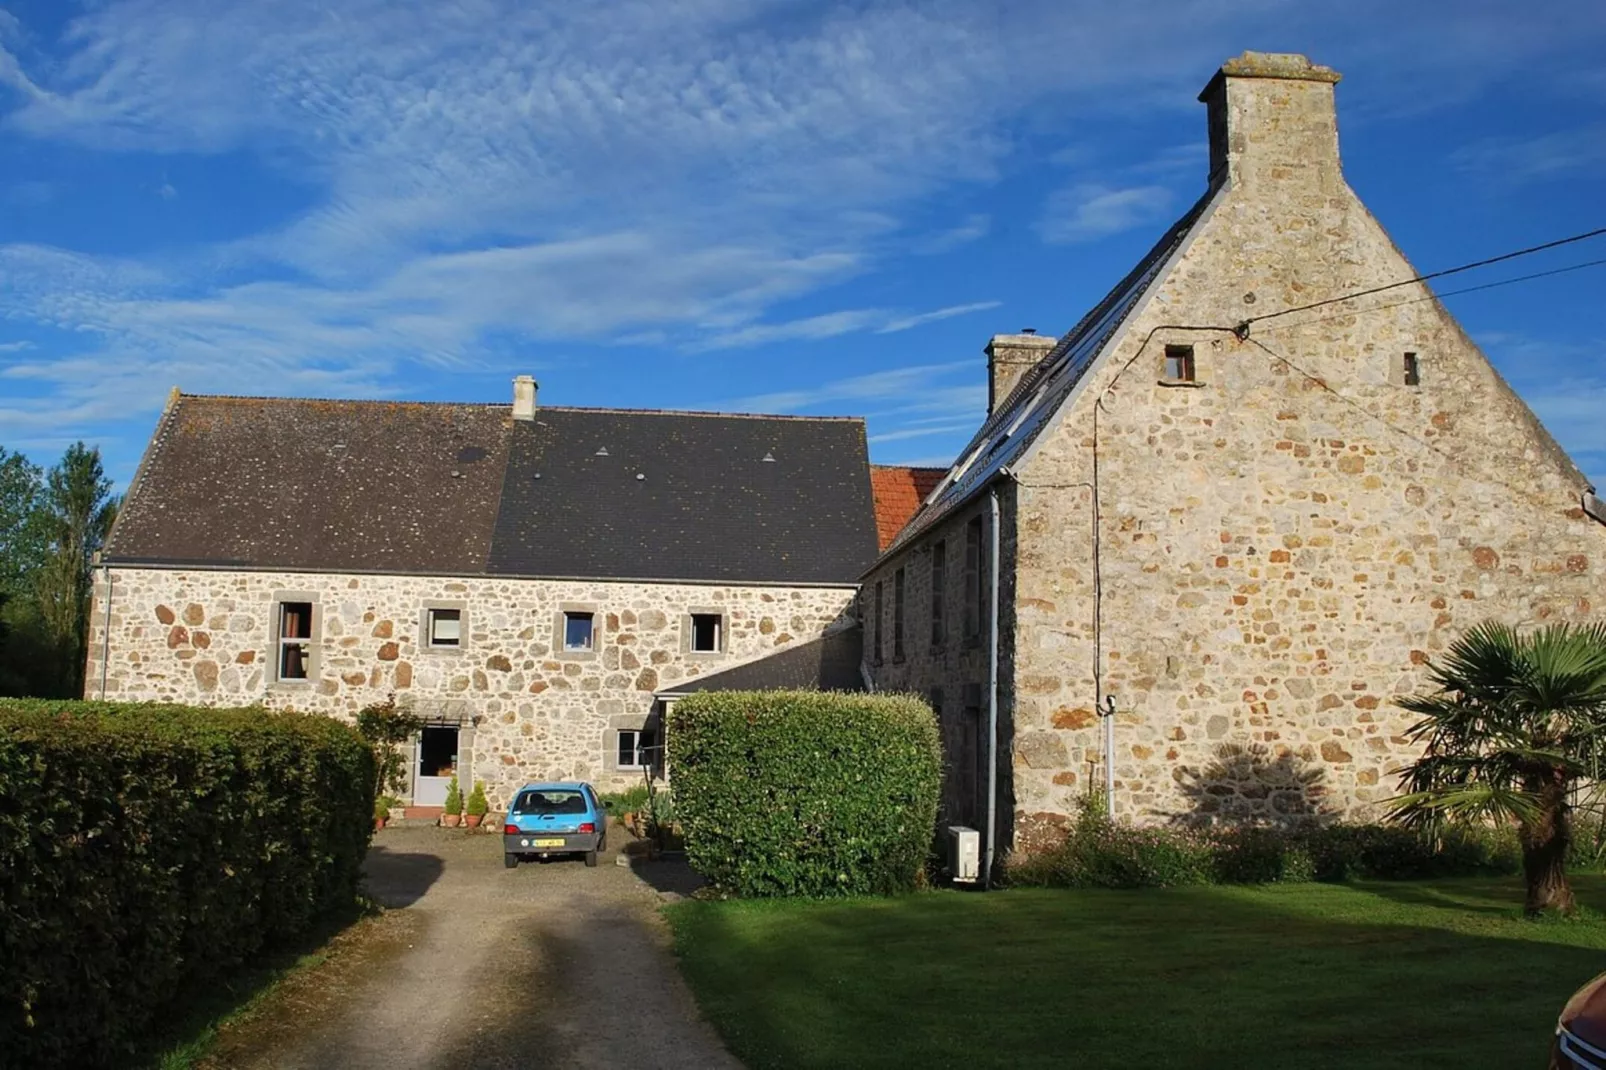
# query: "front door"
[436,764]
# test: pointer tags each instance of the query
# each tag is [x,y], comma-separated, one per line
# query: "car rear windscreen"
[550,802]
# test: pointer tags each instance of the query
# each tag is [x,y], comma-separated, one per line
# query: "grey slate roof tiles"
[458,489]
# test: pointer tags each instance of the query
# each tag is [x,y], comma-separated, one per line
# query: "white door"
[434,764]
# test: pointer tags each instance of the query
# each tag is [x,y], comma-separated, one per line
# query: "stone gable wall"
[205,637]
[1284,545]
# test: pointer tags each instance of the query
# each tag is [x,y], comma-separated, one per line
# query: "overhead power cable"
[1244,325]
[1452,293]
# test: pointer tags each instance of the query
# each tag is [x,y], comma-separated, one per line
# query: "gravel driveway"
[548,965]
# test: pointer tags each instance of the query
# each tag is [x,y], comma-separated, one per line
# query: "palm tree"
[1517,720]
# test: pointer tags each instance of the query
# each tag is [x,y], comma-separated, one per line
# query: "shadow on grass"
[186,1034]
[1316,976]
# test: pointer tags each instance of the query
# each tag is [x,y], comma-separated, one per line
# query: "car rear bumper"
[1572,1053]
[537,843]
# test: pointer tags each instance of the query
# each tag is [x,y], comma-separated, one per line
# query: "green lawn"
[1374,975]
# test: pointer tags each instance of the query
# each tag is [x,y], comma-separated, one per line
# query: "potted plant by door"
[477,806]
[381,811]
[453,813]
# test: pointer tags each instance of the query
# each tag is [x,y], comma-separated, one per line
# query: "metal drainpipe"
[992,700]
[106,630]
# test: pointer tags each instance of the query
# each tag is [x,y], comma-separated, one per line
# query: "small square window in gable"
[1179,365]
[1410,370]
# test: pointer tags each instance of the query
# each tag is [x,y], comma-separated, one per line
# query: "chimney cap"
[1292,66]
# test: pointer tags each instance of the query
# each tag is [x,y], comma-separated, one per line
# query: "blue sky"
[768,205]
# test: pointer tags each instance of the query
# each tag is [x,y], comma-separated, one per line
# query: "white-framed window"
[1179,367]
[293,629]
[443,628]
[637,748]
[707,633]
[579,632]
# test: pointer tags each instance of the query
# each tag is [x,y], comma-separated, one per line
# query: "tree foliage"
[1516,722]
[51,525]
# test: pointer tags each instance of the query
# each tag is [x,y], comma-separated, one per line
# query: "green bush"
[1100,854]
[146,849]
[625,802]
[805,793]
[454,796]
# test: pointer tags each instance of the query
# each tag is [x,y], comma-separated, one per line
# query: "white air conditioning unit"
[964,854]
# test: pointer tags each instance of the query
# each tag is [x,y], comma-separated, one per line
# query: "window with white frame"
[294,628]
[443,628]
[707,633]
[637,748]
[578,630]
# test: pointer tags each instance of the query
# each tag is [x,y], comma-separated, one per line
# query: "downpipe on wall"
[992,697]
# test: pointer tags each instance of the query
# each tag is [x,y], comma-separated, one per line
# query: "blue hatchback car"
[550,819]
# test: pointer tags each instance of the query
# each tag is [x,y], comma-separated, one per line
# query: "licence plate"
[546,843]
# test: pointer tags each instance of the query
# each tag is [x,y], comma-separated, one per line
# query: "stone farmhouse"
[1231,506]
[1236,509]
[526,579]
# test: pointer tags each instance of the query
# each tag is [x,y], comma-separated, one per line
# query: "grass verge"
[232,1001]
[1382,975]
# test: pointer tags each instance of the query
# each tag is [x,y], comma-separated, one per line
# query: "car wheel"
[511,861]
[591,858]
[602,844]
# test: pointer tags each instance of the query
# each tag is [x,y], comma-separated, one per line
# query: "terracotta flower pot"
[450,820]
[379,823]
[473,820]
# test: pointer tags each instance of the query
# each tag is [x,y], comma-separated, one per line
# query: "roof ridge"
[507,405]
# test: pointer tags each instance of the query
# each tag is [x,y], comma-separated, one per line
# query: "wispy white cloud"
[620,169]
[15,347]
[974,228]
[1088,211]
[904,323]
[1552,155]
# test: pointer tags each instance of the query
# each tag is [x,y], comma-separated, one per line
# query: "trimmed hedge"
[805,792]
[1099,853]
[145,849]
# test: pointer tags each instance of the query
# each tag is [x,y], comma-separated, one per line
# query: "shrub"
[385,728]
[625,802]
[147,849]
[477,804]
[454,796]
[1100,854]
[805,793]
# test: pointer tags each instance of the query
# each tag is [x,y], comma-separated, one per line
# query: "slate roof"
[1039,393]
[320,485]
[829,663]
[671,495]
[898,492]
[456,489]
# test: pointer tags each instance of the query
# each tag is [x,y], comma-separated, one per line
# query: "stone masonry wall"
[205,637]
[1286,543]
[951,675]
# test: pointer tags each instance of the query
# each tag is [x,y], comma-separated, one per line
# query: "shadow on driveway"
[400,878]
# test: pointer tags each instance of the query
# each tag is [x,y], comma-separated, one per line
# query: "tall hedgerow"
[145,849]
[803,792]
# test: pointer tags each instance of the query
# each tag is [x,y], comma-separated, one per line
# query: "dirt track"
[549,965]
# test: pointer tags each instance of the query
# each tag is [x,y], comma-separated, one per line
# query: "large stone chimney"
[1008,358]
[1272,121]
[524,388]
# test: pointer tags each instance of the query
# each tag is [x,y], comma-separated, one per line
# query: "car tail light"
[588,826]
[511,830]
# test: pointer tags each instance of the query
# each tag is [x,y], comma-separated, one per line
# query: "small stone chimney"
[524,388]
[1272,121]
[1008,358]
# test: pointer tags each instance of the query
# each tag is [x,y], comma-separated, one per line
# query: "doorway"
[436,764]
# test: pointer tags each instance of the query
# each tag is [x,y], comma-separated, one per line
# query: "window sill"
[703,654]
[291,685]
[576,655]
[454,651]
[1188,384]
